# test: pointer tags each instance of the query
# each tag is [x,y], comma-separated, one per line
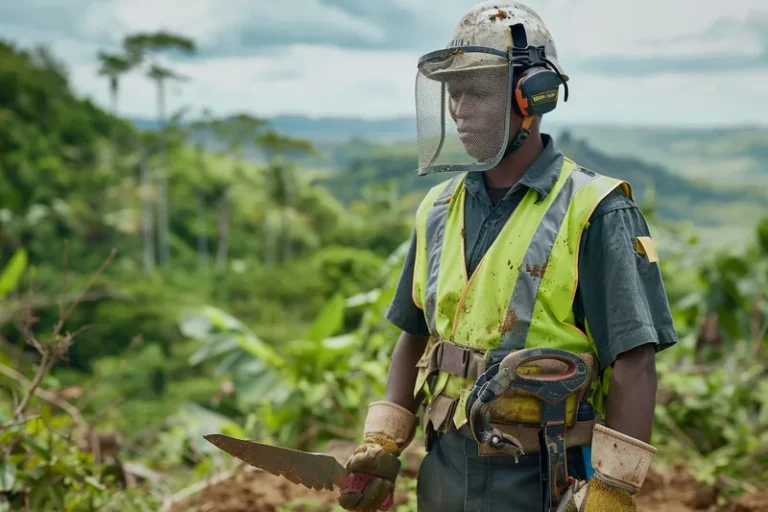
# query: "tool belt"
[469,363]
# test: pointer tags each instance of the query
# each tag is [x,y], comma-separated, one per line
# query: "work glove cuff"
[390,425]
[620,460]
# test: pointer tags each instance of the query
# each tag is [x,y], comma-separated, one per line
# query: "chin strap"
[521,137]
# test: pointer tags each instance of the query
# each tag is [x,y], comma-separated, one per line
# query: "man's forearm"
[632,393]
[401,378]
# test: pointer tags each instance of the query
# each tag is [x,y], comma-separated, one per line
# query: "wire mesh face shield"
[463,108]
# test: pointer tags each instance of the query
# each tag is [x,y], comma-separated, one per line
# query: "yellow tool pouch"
[516,412]
[517,406]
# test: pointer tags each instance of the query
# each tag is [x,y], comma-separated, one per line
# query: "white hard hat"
[488,24]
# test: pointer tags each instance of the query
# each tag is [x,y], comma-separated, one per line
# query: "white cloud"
[210,21]
[199,19]
[667,99]
[593,28]
[316,80]
[321,79]
[331,81]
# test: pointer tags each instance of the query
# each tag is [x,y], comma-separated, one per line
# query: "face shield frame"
[445,54]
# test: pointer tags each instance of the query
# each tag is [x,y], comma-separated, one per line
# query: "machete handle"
[357,482]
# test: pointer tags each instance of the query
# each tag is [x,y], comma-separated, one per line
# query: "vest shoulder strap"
[430,222]
[624,186]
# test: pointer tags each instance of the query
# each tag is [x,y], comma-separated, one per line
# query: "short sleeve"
[621,292]
[402,312]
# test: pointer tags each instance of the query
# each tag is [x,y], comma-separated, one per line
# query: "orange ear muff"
[537,91]
[522,102]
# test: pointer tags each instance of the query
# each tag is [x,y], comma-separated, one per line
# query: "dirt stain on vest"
[509,321]
[536,270]
[449,303]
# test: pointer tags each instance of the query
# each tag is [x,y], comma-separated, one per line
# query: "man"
[523,249]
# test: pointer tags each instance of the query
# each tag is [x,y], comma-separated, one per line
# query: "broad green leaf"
[352,397]
[229,363]
[45,413]
[198,421]
[280,394]
[18,458]
[316,394]
[259,350]
[255,389]
[374,369]
[45,454]
[4,359]
[95,483]
[223,320]
[692,299]
[216,344]
[11,275]
[57,494]
[363,298]
[340,343]
[195,326]
[35,426]
[7,476]
[329,321]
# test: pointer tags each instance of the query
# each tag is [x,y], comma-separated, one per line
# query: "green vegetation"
[260,311]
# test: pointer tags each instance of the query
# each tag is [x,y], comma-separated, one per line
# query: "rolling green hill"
[723,213]
[734,155]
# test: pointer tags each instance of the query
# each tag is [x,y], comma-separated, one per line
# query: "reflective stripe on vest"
[521,294]
[536,258]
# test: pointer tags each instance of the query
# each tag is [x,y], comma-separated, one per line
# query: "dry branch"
[49,397]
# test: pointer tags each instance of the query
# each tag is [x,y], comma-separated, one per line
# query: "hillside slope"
[362,164]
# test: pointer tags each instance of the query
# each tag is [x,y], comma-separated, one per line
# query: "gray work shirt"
[620,293]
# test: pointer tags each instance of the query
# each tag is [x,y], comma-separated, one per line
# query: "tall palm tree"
[146,194]
[160,75]
[235,132]
[200,128]
[282,182]
[113,66]
[148,46]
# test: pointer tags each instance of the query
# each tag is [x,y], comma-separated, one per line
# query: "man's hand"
[389,429]
[621,463]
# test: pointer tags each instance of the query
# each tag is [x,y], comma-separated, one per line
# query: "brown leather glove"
[374,465]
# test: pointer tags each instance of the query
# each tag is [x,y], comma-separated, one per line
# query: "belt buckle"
[451,361]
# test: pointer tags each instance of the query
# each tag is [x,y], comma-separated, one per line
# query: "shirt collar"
[541,176]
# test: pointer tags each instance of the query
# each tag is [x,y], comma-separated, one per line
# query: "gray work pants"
[454,478]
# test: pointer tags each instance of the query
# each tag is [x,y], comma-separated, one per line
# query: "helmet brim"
[450,74]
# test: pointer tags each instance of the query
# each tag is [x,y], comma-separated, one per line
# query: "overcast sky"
[692,62]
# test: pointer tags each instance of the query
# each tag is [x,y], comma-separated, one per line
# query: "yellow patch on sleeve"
[645,245]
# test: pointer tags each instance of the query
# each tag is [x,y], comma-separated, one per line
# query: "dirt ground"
[252,490]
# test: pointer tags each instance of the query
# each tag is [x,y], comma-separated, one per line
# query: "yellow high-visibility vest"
[521,294]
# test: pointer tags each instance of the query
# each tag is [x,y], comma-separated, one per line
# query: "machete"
[313,470]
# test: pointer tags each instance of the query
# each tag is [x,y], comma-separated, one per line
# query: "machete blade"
[313,470]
